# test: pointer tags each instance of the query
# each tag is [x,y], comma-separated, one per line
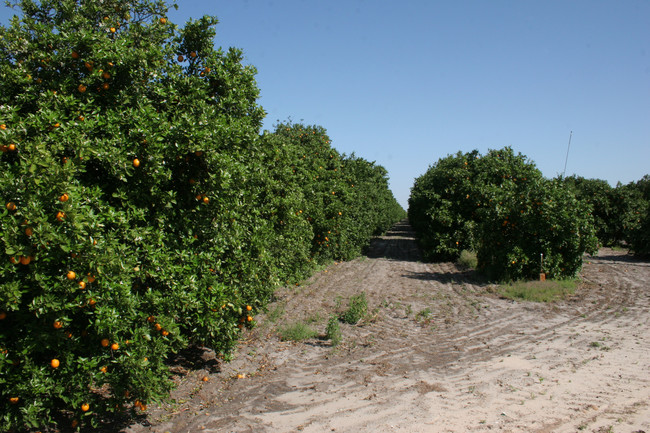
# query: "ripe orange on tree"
[85,407]
[29,231]
[105,342]
[25,260]
[82,285]
[3,127]
[136,162]
[11,206]
[81,88]
[55,363]
[71,275]
[60,215]
[115,346]
[57,325]
[3,315]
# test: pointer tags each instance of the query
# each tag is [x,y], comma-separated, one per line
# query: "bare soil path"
[439,352]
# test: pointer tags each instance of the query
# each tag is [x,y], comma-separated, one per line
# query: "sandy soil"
[476,363]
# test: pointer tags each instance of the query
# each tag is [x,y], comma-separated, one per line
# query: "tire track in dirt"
[439,352]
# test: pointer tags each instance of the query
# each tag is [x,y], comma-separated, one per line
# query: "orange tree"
[501,206]
[638,224]
[345,200]
[127,232]
[616,211]
[442,207]
[599,195]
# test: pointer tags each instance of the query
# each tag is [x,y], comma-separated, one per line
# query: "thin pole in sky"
[567,153]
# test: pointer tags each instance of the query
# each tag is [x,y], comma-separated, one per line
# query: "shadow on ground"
[397,244]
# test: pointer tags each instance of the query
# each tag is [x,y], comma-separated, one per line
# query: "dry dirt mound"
[437,353]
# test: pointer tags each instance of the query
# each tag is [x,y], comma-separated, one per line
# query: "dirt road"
[439,352]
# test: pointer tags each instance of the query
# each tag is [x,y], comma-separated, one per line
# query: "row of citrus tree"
[519,223]
[621,213]
[143,210]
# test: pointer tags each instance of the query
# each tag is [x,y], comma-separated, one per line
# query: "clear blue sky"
[406,83]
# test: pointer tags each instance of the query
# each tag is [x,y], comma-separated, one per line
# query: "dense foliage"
[500,206]
[620,213]
[143,212]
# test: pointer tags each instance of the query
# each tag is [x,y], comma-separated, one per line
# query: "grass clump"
[467,259]
[424,316]
[357,309]
[538,291]
[333,331]
[296,332]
